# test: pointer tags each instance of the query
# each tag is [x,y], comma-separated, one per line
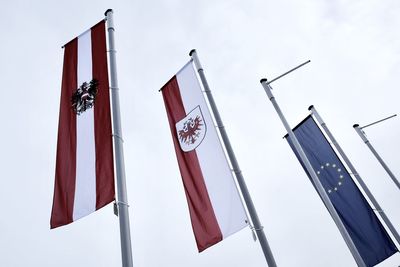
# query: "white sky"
[354,47]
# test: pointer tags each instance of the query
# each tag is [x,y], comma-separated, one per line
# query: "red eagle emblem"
[191,130]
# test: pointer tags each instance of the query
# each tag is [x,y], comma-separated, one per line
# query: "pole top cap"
[263,80]
[355,125]
[192,51]
[311,107]
[108,10]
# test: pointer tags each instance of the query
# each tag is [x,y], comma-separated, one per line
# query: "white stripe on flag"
[85,186]
[223,193]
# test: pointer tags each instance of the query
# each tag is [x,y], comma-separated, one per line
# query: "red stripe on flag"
[204,222]
[105,192]
[64,187]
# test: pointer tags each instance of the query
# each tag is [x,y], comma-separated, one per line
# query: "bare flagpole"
[363,136]
[123,212]
[314,177]
[235,165]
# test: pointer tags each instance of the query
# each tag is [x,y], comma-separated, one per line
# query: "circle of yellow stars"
[340,176]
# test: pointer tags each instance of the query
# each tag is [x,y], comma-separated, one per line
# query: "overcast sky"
[354,48]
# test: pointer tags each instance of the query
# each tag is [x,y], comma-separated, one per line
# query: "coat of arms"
[191,130]
[83,98]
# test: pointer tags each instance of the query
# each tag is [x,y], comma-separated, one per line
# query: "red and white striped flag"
[215,206]
[84,180]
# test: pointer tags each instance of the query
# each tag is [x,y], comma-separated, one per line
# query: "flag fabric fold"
[84,178]
[215,207]
[366,231]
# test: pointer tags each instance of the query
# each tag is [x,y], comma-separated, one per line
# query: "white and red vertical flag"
[84,179]
[215,206]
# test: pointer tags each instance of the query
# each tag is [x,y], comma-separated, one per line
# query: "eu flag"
[368,235]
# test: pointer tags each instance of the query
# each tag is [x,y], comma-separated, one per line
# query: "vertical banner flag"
[368,234]
[84,179]
[215,206]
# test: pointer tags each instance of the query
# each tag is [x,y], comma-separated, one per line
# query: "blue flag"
[368,235]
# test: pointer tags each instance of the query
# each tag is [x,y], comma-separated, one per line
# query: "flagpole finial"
[311,107]
[263,80]
[356,125]
[108,10]
[192,51]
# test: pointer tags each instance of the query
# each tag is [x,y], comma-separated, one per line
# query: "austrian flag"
[215,206]
[84,179]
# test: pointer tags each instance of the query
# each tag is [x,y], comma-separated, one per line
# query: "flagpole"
[316,181]
[363,136]
[235,165]
[353,170]
[123,212]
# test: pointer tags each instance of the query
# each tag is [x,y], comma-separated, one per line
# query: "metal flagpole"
[235,165]
[356,175]
[363,136]
[123,213]
[316,181]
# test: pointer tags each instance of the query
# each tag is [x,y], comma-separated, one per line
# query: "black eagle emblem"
[84,97]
